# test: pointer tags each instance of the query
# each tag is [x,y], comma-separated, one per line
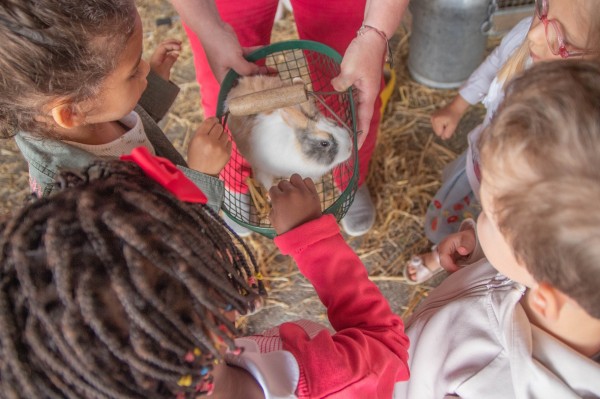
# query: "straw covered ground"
[405,173]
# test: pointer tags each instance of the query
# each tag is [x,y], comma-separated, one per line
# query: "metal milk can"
[447,41]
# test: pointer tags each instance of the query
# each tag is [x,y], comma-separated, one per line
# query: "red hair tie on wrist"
[167,175]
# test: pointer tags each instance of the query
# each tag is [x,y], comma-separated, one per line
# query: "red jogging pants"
[331,22]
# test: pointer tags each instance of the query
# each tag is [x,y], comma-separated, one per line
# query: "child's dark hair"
[56,48]
[113,288]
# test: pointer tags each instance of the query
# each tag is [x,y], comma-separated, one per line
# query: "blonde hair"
[515,64]
[541,161]
[517,61]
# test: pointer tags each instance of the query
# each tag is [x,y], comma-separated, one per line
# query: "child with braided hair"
[103,298]
[130,297]
[75,89]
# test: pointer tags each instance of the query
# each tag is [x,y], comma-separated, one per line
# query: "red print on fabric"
[434,223]
[453,219]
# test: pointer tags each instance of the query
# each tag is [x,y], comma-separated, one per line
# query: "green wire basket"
[316,64]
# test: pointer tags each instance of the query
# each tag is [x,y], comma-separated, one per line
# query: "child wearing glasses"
[522,320]
[559,29]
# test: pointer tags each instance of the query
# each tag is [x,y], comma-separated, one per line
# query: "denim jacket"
[46,157]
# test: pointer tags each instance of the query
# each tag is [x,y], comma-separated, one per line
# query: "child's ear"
[66,115]
[547,301]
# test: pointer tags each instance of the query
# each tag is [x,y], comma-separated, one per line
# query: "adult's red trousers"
[331,22]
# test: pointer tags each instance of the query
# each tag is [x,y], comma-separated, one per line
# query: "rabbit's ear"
[310,109]
[294,117]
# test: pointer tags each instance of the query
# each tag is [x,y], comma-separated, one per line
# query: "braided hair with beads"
[113,288]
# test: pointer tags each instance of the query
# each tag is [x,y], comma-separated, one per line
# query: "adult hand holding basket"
[297,107]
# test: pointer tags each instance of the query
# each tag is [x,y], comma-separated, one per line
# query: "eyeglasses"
[554,34]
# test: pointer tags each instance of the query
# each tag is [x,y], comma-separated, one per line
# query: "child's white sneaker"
[237,228]
[361,215]
[239,204]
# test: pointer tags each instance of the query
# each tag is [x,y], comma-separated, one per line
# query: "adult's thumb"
[246,68]
[341,82]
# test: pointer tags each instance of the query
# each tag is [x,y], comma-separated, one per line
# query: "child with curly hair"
[116,286]
[76,89]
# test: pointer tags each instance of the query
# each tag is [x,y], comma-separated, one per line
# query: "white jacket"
[470,338]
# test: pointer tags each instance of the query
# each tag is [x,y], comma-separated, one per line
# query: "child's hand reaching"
[293,203]
[456,247]
[210,148]
[445,120]
[164,57]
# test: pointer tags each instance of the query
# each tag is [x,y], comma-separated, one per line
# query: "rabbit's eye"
[325,143]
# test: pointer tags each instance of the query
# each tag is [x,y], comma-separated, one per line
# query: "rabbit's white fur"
[296,139]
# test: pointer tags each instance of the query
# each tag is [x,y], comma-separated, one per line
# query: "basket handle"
[268,100]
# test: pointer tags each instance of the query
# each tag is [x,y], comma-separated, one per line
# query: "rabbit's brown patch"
[320,134]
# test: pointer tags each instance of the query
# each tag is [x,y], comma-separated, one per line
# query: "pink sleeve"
[368,353]
[35,187]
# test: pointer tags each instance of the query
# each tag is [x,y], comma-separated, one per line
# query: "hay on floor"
[404,174]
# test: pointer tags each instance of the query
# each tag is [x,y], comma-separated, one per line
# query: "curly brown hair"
[56,49]
[110,285]
[540,159]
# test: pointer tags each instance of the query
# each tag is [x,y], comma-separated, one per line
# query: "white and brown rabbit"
[294,139]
